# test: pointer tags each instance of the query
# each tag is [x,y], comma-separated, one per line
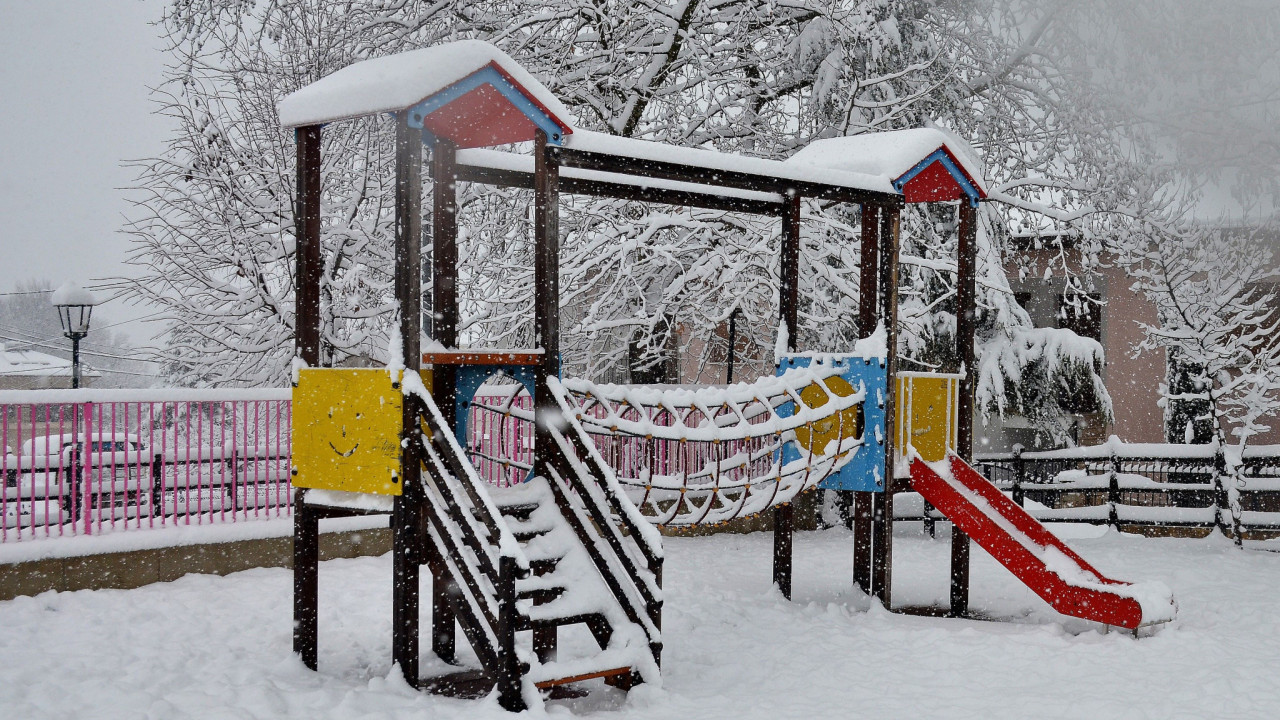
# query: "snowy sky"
[74,77]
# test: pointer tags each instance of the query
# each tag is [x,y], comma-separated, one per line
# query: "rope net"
[703,456]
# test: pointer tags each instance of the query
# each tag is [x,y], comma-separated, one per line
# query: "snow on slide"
[1033,554]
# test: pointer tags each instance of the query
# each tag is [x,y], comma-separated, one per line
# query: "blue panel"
[865,470]
[941,156]
[499,82]
[468,380]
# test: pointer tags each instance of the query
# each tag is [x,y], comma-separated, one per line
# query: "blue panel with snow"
[864,375]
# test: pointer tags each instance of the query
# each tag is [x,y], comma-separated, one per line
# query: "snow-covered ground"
[219,647]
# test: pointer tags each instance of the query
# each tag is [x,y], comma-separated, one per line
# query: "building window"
[1081,314]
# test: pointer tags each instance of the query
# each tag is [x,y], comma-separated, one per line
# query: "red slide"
[1032,553]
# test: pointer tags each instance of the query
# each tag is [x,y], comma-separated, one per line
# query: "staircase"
[520,565]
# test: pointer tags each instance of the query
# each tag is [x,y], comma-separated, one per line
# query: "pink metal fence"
[93,461]
[85,462]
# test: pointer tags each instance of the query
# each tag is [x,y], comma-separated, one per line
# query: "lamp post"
[75,306]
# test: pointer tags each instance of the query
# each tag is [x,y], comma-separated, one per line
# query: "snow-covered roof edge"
[397,82]
[891,153]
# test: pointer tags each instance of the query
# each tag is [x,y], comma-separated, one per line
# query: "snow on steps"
[575,590]
[1033,554]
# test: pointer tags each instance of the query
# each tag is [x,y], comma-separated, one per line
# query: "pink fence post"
[87,469]
[4,499]
[64,497]
[288,465]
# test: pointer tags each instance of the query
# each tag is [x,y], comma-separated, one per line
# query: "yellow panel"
[927,406]
[847,423]
[346,430]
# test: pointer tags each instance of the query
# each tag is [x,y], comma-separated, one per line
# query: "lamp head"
[75,306]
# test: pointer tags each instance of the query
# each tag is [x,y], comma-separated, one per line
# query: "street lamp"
[75,306]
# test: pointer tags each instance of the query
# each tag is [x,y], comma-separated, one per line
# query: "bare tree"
[761,78]
[1215,290]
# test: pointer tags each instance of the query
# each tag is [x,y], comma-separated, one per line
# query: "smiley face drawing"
[346,430]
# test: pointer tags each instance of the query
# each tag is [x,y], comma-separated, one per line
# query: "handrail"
[640,597]
[442,447]
[627,513]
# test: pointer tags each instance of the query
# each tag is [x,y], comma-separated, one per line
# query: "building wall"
[1134,382]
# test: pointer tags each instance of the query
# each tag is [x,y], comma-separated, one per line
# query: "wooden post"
[306,332]
[508,680]
[789,312]
[306,225]
[444,268]
[966,328]
[1019,476]
[867,306]
[882,548]
[546,308]
[444,330]
[407,508]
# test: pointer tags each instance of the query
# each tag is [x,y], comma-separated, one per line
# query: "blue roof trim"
[487,76]
[941,155]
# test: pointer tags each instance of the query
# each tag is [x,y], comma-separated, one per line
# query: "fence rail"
[1144,484]
[77,462]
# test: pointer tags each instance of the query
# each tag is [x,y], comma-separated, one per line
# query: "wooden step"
[526,623]
[543,566]
[524,536]
[540,595]
[519,510]
[469,684]
[609,673]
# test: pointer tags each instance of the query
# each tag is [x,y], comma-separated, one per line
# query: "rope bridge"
[703,456]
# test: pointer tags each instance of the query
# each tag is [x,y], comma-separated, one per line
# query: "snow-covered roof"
[899,155]
[477,96]
[467,71]
[29,363]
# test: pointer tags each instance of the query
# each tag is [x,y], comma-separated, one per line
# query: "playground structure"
[575,546]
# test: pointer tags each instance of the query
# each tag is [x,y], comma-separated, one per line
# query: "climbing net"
[701,456]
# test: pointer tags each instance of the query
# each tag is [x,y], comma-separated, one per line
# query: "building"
[31,370]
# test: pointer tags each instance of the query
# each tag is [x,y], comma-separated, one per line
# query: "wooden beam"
[306,527]
[783,547]
[306,223]
[547,255]
[868,304]
[482,357]
[789,312]
[546,307]
[882,550]
[789,292]
[306,586]
[407,508]
[966,328]
[444,330]
[719,178]
[622,191]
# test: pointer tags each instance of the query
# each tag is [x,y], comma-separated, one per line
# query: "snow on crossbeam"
[729,164]
[468,91]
